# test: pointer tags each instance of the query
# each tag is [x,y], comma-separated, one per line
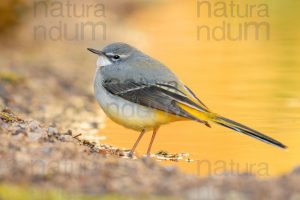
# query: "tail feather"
[247,131]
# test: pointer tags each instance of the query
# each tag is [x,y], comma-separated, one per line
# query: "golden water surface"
[255,82]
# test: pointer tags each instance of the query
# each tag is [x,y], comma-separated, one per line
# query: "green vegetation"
[25,193]
[11,78]
[13,192]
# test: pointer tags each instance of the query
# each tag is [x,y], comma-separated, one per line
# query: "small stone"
[69,132]
[62,138]
[94,125]
[52,131]
[33,125]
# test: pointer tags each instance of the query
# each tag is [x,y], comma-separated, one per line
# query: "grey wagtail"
[141,93]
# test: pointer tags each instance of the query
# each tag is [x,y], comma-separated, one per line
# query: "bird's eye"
[116,57]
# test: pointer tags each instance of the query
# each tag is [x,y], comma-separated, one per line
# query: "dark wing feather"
[192,93]
[151,95]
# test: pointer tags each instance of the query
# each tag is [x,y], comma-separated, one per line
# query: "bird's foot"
[131,154]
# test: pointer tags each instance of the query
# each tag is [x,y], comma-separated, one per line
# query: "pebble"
[33,125]
[52,131]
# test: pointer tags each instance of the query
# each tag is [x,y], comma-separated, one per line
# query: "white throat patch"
[103,61]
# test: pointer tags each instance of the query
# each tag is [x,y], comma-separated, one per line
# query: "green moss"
[11,77]
[6,117]
[25,193]
[13,192]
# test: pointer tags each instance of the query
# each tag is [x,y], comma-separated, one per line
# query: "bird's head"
[113,53]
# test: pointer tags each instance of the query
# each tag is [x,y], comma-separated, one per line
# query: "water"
[255,82]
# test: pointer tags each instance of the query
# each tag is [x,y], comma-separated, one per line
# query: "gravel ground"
[42,156]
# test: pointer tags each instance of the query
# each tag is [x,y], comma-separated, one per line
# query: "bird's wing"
[160,96]
[189,92]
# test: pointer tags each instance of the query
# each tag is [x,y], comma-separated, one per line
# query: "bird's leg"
[151,142]
[137,142]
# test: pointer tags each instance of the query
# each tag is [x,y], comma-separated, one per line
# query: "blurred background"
[46,73]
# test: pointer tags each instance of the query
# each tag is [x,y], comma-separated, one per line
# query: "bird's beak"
[95,51]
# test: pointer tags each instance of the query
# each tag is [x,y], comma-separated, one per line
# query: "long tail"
[246,130]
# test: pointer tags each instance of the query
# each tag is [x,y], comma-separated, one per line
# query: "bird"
[140,93]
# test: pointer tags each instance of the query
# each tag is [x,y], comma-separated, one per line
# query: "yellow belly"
[153,118]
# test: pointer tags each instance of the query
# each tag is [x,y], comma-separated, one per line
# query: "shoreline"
[41,157]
